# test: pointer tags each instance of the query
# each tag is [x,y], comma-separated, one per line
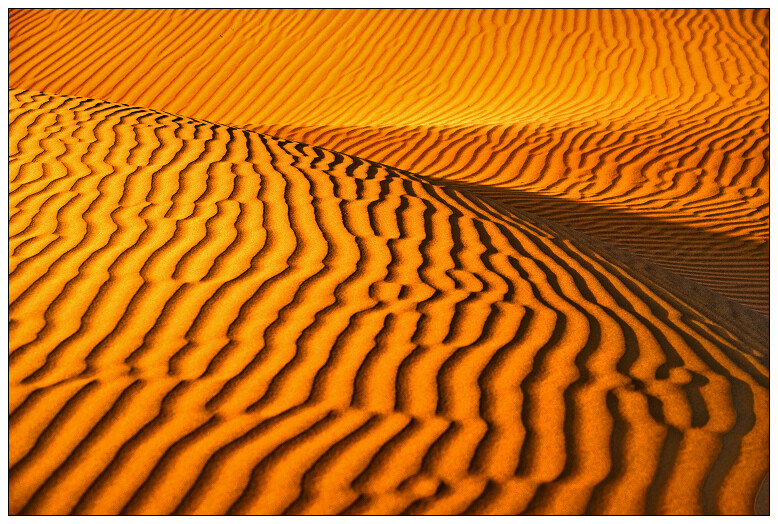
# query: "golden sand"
[380,262]
[646,129]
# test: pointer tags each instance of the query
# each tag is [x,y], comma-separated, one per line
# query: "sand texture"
[646,129]
[388,262]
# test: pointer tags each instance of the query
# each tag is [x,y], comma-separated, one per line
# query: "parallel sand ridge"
[204,319]
[647,129]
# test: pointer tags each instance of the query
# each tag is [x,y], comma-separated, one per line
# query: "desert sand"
[383,262]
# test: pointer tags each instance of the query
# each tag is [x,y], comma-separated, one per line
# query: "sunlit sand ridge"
[646,129]
[386,262]
[208,320]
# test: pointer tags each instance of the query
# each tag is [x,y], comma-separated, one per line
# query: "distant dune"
[388,262]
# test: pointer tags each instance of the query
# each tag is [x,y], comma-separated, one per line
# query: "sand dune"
[388,261]
[205,319]
[651,124]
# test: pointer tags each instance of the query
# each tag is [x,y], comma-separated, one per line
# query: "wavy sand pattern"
[382,262]
[651,124]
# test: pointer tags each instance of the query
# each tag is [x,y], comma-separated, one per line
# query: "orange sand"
[647,128]
[499,262]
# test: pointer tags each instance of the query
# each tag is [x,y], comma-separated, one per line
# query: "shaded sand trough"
[206,318]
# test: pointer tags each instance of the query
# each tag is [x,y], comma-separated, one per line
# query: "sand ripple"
[647,129]
[206,319]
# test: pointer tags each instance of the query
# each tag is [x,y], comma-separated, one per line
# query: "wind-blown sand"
[502,262]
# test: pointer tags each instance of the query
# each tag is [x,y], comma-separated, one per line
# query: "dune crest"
[205,319]
[647,129]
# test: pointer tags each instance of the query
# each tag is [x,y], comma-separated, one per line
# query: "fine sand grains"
[205,319]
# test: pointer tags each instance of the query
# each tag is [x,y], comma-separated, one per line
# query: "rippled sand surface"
[382,262]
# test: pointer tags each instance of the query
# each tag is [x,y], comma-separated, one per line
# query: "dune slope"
[205,319]
[647,129]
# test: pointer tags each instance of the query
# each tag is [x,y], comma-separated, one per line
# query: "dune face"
[205,319]
[647,129]
[388,262]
